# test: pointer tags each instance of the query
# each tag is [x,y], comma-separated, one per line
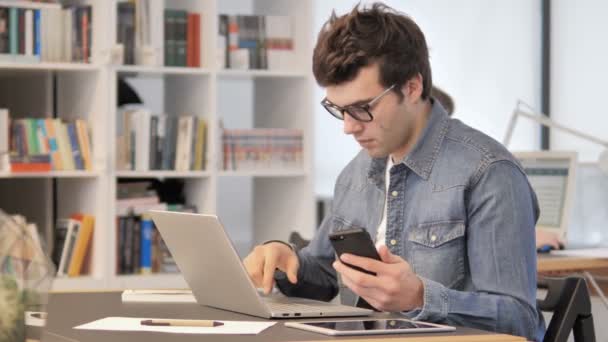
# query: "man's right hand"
[264,259]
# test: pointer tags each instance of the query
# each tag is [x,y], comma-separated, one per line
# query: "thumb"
[386,255]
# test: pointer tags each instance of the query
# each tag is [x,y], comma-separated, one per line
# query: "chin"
[376,153]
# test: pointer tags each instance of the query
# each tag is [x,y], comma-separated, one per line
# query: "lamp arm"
[550,123]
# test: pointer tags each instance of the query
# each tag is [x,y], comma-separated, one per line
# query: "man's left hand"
[394,288]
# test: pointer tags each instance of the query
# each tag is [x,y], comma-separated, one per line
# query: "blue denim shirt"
[461,212]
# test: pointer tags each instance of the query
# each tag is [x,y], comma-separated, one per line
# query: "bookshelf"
[254,205]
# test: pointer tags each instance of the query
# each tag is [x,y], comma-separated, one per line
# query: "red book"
[190,41]
[197,40]
[30,167]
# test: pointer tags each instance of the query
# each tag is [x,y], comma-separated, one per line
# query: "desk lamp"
[544,120]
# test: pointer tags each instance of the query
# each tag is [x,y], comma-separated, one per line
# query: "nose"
[352,126]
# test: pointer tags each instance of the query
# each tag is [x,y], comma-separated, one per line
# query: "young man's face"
[392,126]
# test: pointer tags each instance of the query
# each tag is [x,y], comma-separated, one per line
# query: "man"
[451,209]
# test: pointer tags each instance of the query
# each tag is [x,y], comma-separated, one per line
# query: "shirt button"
[433,237]
[393,242]
[392,323]
[394,193]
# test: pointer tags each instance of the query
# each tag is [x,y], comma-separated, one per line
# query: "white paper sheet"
[133,324]
[587,252]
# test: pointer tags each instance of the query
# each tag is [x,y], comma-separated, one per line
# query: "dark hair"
[444,98]
[367,35]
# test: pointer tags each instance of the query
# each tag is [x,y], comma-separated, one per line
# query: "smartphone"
[354,241]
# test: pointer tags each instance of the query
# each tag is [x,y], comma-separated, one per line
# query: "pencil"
[181,323]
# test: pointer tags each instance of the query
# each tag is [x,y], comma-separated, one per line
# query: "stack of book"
[161,142]
[35,32]
[140,249]
[39,145]
[181,40]
[72,245]
[259,149]
[255,42]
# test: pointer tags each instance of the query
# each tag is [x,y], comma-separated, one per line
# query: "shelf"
[262,73]
[149,70]
[51,174]
[163,174]
[43,66]
[264,173]
[150,281]
[76,283]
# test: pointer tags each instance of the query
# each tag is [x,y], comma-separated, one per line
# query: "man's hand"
[394,288]
[264,259]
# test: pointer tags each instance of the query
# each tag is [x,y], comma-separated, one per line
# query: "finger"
[254,267]
[355,276]
[292,269]
[368,264]
[270,264]
[387,257]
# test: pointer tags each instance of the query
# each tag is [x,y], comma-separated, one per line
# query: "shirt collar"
[422,157]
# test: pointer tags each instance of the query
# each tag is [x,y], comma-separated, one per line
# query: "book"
[145,260]
[82,245]
[4,139]
[73,227]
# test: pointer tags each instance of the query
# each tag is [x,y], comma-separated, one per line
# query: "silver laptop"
[552,175]
[210,265]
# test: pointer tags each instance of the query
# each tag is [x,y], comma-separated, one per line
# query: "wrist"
[290,245]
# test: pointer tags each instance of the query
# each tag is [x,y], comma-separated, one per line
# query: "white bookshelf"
[254,205]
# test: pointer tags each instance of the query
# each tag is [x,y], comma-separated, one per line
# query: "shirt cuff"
[435,307]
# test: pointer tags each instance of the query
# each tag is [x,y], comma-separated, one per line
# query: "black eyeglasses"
[357,112]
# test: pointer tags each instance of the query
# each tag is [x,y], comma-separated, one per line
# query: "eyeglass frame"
[366,107]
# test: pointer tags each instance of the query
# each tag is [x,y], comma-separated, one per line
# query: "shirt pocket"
[437,251]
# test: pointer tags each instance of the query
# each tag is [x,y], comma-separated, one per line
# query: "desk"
[548,264]
[67,310]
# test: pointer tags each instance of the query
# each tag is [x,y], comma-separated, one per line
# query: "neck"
[421,116]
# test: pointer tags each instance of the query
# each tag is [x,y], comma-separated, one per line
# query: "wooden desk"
[67,310]
[547,263]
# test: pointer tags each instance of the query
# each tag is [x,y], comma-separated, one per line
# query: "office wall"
[578,67]
[486,54]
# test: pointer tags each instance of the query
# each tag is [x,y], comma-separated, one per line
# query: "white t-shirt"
[381,234]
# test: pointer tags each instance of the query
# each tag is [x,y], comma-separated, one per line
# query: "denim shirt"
[460,211]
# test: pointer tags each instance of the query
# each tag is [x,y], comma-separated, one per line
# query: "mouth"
[365,142]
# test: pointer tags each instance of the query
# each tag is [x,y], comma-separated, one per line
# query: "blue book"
[145,261]
[73,136]
[14,30]
[37,32]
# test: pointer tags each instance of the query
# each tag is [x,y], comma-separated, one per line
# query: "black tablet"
[369,327]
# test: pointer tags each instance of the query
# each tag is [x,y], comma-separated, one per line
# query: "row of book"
[255,149]
[181,39]
[39,145]
[140,249]
[255,42]
[72,245]
[35,32]
[161,142]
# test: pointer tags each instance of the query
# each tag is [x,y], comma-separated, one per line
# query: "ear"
[412,89]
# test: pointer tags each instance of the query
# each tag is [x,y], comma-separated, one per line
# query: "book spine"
[76,151]
[37,33]
[14,30]
[146,245]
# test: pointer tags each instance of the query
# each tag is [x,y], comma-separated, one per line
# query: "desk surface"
[67,310]
[560,263]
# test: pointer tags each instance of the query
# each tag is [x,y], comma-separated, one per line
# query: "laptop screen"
[550,174]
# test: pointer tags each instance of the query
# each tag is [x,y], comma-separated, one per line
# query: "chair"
[568,299]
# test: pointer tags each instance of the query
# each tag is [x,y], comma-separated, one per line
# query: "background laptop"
[553,176]
[210,265]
